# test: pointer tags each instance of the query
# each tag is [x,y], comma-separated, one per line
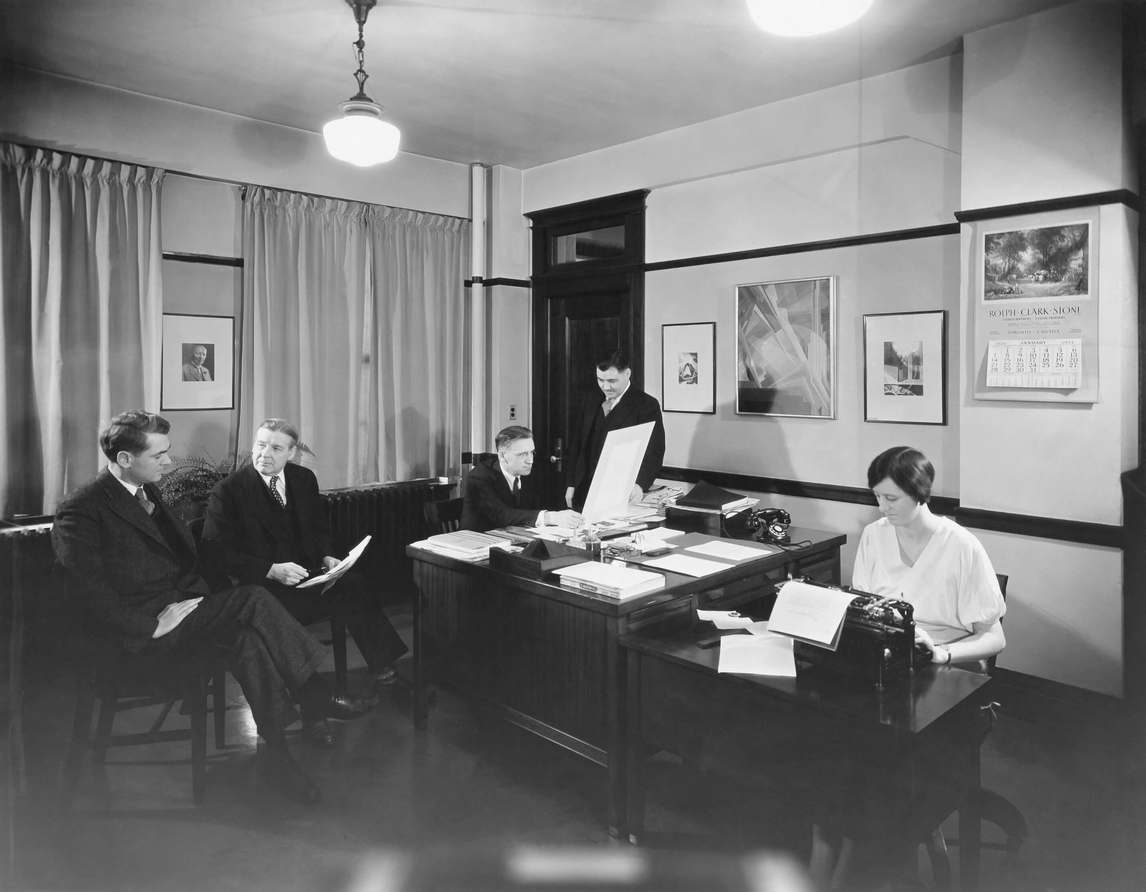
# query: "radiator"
[391,513]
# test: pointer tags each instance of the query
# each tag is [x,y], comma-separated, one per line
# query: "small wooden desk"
[916,742]
[546,657]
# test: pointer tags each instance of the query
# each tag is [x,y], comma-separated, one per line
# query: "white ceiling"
[517,82]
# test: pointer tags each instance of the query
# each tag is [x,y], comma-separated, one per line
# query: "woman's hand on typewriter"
[939,654]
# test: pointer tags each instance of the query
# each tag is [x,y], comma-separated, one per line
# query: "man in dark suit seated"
[267,525]
[618,405]
[499,491]
[134,569]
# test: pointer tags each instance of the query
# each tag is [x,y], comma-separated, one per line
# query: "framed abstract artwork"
[688,367]
[785,348]
[905,367]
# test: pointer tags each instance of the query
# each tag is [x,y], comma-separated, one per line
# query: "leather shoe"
[385,677]
[318,733]
[290,779]
[343,706]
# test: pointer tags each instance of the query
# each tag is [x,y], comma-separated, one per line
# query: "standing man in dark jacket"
[620,405]
[133,568]
[266,524]
[499,491]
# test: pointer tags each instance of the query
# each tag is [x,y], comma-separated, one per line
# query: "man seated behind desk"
[266,524]
[499,493]
[134,569]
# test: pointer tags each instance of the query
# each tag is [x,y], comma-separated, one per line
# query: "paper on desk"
[660,534]
[810,613]
[725,619]
[689,566]
[727,551]
[757,655]
[332,575]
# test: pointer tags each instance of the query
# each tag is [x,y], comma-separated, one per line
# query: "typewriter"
[877,642]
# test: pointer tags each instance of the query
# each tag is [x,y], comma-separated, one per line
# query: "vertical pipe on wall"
[480,434]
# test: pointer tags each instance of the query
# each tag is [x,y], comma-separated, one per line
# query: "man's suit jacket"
[240,528]
[192,372]
[488,500]
[121,566]
[634,407]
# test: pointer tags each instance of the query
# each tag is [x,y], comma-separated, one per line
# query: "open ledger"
[336,572]
[614,580]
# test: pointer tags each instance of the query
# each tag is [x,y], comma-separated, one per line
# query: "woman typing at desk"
[944,573]
[929,561]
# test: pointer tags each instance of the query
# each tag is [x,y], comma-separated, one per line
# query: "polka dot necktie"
[275,491]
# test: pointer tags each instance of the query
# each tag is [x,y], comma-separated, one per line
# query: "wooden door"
[588,300]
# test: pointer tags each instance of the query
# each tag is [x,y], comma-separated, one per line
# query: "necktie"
[144,501]
[275,491]
[607,406]
[516,490]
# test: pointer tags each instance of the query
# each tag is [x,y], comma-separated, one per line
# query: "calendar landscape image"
[1053,261]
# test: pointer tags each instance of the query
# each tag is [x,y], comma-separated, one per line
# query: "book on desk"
[706,497]
[611,580]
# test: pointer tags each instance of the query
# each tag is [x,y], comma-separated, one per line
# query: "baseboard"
[1043,701]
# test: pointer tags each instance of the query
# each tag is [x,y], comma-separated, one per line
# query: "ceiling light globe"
[360,136]
[803,18]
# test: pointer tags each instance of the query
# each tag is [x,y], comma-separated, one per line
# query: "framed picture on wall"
[688,367]
[198,362]
[905,367]
[785,348]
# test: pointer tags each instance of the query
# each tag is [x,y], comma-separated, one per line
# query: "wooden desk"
[547,658]
[915,743]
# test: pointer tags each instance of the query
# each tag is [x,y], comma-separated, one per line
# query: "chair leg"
[1001,812]
[107,705]
[338,645]
[219,702]
[77,746]
[197,694]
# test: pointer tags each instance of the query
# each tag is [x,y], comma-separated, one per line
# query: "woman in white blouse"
[929,561]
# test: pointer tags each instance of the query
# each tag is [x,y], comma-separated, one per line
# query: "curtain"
[354,333]
[81,314]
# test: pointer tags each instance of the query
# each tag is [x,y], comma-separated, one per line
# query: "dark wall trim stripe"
[1115,196]
[500,280]
[212,259]
[1075,531]
[874,238]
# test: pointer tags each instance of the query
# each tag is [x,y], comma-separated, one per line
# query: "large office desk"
[547,658]
[913,747]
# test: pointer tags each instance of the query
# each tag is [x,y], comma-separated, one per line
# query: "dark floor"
[474,785]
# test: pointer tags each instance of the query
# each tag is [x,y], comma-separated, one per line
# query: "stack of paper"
[466,545]
[706,497]
[659,495]
[613,580]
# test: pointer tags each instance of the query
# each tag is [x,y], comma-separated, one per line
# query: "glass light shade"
[803,18]
[360,136]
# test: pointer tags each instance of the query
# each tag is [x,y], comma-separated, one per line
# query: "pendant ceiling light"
[360,136]
[803,18]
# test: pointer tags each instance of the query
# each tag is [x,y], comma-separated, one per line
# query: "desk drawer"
[821,568]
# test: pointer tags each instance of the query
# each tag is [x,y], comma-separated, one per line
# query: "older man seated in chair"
[499,492]
[266,524]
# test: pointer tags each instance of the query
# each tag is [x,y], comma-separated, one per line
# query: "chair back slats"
[443,516]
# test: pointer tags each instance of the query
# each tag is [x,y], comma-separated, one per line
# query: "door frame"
[552,280]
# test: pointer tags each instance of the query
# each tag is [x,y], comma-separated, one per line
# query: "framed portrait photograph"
[688,367]
[905,367]
[785,348]
[198,362]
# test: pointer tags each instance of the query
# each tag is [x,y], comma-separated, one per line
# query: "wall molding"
[211,259]
[1091,199]
[1074,531]
[851,241]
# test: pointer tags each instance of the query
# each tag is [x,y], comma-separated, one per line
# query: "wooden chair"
[443,516]
[994,808]
[120,681]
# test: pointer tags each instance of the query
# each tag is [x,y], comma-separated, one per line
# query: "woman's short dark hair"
[907,468]
[128,431]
